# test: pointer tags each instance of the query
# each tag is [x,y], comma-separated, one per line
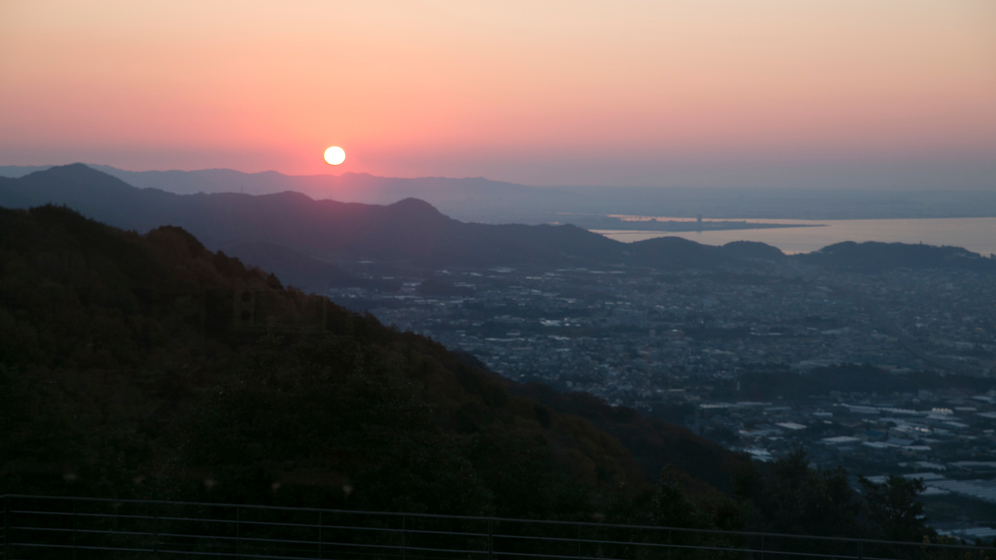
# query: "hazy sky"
[897,93]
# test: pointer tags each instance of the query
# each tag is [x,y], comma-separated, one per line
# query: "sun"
[335,155]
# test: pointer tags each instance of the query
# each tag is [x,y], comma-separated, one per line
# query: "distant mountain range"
[471,194]
[482,200]
[300,238]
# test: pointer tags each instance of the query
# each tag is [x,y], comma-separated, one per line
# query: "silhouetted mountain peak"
[289,196]
[753,250]
[872,256]
[667,241]
[416,206]
[76,172]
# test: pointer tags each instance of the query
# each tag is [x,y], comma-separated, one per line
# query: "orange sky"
[544,93]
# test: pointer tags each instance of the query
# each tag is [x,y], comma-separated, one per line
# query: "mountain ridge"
[483,200]
[409,232]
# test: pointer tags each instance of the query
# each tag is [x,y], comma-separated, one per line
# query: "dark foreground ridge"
[147,366]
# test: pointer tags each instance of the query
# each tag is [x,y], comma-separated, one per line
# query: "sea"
[975,234]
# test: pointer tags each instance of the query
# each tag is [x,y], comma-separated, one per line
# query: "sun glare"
[335,155]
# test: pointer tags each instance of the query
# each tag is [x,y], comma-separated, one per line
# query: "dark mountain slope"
[128,370]
[301,271]
[655,444]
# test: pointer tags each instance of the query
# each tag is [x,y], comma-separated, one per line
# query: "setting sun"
[335,155]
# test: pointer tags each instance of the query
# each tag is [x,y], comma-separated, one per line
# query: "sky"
[849,93]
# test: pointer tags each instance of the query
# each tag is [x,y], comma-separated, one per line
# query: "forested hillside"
[127,371]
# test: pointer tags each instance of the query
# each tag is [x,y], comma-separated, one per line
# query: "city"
[884,373]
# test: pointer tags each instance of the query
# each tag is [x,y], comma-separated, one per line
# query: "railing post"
[762,547]
[238,532]
[491,547]
[6,527]
[74,528]
[404,533]
[579,540]
[321,541]
[860,550]
[155,532]
[669,543]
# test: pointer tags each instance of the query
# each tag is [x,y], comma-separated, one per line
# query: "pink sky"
[543,93]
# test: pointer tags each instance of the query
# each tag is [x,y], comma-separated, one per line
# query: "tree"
[893,507]
[788,496]
[671,508]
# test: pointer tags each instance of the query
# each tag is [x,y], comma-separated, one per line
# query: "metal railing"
[84,528]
